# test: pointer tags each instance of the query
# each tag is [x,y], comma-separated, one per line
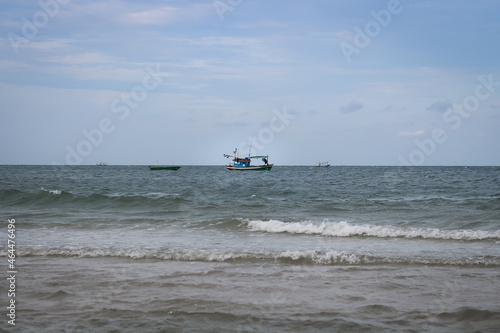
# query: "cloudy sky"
[354,82]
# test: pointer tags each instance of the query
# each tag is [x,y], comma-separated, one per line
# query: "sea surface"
[294,249]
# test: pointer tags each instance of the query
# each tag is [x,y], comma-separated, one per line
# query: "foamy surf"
[55,192]
[345,229]
[294,257]
[324,258]
[132,253]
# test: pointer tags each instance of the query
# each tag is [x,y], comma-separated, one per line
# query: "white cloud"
[153,16]
[49,44]
[7,64]
[167,15]
[83,58]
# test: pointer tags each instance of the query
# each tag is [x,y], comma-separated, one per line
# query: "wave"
[292,257]
[60,198]
[55,192]
[344,229]
[132,253]
[469,314]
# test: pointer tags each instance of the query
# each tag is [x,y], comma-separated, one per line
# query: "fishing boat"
[245,164]
[163,167]
[101,164]
[322,164]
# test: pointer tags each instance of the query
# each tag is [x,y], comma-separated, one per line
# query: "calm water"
[296,249]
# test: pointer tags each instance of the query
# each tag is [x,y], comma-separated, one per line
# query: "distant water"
[295,249]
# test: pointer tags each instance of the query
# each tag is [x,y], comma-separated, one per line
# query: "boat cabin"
[241,162]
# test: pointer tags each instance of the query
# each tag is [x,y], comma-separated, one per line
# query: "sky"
[398,82]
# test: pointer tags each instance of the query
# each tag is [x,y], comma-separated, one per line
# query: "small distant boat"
[244,164]
[101,164]
[164,167]
[322,164]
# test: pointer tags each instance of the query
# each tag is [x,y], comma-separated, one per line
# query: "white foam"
[320,258]
[300,257]
[344,229]
[165,254]
[327,258]
[56,192]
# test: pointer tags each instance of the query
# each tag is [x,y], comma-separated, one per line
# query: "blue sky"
[353,82]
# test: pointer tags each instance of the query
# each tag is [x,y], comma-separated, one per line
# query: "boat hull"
[251,168]
[163,167]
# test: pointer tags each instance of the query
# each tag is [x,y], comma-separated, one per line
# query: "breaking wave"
[344,229]
[293,257]
[55,192]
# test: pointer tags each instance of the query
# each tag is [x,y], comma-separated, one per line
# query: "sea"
[294,249]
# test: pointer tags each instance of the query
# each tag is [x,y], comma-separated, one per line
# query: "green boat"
[163,167]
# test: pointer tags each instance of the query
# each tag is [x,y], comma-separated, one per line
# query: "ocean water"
[295,249]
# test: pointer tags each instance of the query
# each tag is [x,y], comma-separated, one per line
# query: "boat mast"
[250,154]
